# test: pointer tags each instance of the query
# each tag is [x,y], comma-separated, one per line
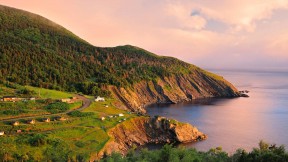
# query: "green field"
[79,136]
[48,93]
[30,108]
[75,105]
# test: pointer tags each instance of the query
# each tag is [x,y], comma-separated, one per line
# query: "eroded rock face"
[188,133]
[174,89]
[143,130]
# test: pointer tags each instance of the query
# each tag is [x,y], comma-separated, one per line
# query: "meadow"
[79,136]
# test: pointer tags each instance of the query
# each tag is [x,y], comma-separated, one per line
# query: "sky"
[222,34]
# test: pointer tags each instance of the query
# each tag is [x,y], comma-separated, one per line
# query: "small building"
[120,115]
[32,121]
[10,98]
[18,131]
[99,99]
[74,98]
[67,100]
[61,118]
[2,133]
[47,120]
[106,106]
[102,118]
[110,116]
[124,119]
[15,123]
[32,98]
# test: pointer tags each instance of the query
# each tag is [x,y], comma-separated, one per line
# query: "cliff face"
[143,130]
[174,89]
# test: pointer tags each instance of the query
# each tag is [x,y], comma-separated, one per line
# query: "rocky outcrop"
[244,93]
[143,130]
[174,89]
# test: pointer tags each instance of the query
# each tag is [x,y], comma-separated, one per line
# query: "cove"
[238,122]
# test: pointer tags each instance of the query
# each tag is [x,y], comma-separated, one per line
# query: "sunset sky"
[235,34]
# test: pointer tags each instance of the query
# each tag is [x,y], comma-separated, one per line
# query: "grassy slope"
[30,108]
[19,108]
[76,132]
[48,93]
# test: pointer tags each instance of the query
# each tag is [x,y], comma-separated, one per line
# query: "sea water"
[238,122]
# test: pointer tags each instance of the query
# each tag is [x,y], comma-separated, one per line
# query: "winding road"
[85,103]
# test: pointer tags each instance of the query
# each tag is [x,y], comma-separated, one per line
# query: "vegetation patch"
[75,105]
[49,93]
[57,107]
[13,112]
[80,114]
[171,154]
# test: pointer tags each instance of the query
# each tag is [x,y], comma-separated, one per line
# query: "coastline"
[144,130]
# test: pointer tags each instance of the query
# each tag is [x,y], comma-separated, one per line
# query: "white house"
[102,118]
[2,133]
[121,115]
[99,99]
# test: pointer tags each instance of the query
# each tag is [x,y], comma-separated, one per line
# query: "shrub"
[57,107]
[80,114]
[13,112]
[168,153]
[26,91]
[38,140]
[79,144]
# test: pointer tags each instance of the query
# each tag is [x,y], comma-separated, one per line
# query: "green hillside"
[35,51]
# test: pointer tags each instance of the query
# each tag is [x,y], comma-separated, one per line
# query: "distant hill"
[36,51]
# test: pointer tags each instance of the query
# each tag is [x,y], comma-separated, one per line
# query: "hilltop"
[35,51]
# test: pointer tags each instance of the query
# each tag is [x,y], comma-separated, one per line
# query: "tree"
[263,145]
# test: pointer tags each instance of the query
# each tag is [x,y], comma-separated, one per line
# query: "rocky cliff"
[174,89]
[143,130]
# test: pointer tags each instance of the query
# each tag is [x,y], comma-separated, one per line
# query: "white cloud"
[240,15]
[184,17]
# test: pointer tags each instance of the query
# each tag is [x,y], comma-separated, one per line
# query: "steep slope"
[35,51]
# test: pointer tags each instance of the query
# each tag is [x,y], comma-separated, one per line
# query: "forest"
[35,51]
[58,150]
[264,153]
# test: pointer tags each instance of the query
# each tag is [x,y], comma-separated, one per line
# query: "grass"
[212,75]
[5,91]
[100,107]
[75,105]
[168,87]
[48,93]
[84,135]
[30,108]
[20,109]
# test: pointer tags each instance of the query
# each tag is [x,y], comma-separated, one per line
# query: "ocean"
[238,122]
